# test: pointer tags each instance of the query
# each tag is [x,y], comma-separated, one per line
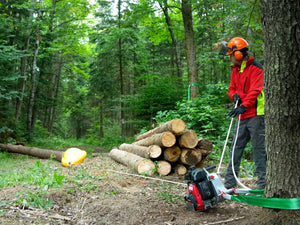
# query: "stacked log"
[131,160]
[170,147]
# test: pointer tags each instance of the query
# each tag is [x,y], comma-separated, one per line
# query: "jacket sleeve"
[255,87]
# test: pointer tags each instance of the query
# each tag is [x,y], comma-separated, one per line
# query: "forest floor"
[100,196]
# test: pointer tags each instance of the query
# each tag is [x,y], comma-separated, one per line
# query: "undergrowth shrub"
[207,116]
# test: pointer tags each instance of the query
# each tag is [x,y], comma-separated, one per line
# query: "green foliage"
[167,194]
[154,97]
[38,177]
[85,57]
[206,114]
[169,197]
[248,169]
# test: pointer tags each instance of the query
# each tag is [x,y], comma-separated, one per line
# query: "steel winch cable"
[257,199]
[151,178]
[233,148]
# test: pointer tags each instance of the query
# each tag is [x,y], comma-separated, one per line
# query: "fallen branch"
[32,151]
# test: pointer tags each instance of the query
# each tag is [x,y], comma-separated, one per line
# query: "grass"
[36,179]
[167,194]
[168,197]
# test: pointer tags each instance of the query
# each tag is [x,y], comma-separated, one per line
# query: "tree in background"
[78,91]
[187,15]
[281,30]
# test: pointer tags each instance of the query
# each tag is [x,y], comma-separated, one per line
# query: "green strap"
[189,90]
[257,192]
[276,203]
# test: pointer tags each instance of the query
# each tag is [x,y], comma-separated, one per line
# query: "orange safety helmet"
[236,44]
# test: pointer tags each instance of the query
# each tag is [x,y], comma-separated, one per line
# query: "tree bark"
[172,154]
[188,139]
[140,164]
[175,126]
[281,36]
[190,46]
[163,167]
[32,151]
[164,6]
[165,139]
[23,81]
[153,151]
[190,156]
[30,120]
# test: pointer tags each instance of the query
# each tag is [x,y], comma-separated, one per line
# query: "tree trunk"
[163,167]
[175,126]
[121,73]
[153,151]
[32,151]
[165,139]
[164,8]
[190,156]
[101,119]
[281,33]
[57,67]
[30,120]
[140,164]
[190,46]
[188,139]
[172,154]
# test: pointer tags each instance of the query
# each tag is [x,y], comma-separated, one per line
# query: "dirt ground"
[107,197]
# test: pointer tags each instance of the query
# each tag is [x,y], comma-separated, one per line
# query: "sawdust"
[111,198]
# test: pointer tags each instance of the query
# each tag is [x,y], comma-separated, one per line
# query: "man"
[246,88]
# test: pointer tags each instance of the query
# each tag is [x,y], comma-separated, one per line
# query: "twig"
[225,221]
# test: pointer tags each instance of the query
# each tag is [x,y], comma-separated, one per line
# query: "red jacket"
[248,84]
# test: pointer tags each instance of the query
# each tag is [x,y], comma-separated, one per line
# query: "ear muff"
[238,55]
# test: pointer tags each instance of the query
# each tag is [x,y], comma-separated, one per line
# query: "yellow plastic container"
[73,156]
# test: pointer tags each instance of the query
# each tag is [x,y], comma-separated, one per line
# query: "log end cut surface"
[190,157]
[178,126]
[168,139]
[180,170]
[172,154]
[146,166]
[154,151]
[188,139]
[163,167]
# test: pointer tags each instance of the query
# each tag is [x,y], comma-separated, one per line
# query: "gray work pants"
[252,128]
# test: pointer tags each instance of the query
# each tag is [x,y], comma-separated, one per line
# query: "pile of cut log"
[169,148]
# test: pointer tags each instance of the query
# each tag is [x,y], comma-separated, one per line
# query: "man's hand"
[235,98]
[237,111]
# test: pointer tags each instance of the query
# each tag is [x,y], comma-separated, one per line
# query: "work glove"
[237,111]
[235,98]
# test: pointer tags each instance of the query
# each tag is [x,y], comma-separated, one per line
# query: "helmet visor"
[223,48]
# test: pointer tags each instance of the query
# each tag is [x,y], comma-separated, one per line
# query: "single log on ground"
[188,139]
[140,164]
[165,139]
[172,154]
[180,169]
[205,146]
[190,156]
[163,167]
[175,126]
[32,151]
[153,151]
